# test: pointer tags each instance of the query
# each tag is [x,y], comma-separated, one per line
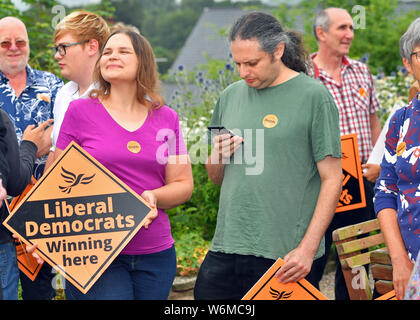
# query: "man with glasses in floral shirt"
[28,96]
[351,85]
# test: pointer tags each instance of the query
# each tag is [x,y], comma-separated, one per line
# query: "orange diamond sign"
[80,215]
[353,191]
[268,287]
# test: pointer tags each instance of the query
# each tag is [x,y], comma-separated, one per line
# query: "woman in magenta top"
[126,127]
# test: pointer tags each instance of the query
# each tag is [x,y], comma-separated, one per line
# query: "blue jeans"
[9,272]
[132,277]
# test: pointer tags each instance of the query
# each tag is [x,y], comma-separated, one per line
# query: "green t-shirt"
[271,185]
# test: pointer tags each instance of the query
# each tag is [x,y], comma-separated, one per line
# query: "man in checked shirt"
[351,85]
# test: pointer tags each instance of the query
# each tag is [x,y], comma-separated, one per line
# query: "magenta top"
[89,124]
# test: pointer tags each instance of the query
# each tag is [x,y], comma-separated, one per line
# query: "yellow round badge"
[270,121]
[133,146]
[401,148]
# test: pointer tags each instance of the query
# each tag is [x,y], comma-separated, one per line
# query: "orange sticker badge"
[133,146]
[363,92]
[353,190]
[80,215]
[43,96]
[401,148]
[270,121]
[269,288]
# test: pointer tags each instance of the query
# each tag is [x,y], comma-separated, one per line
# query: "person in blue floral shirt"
[28,96]
[397,190]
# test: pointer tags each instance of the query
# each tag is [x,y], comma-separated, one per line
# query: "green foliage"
[7,8]
[39,20]
[379,38]
[130,10]
[392,91]
[191,249]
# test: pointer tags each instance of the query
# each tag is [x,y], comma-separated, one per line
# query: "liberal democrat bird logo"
[277,295]
[74,180]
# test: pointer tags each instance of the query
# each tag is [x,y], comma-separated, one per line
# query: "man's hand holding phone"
[225,144]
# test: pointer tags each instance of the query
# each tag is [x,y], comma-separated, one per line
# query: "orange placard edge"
[19,198]
[43,256]
[268,278]
[26,262]
[355,149]
[388,296]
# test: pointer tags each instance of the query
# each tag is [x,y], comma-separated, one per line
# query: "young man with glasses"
[28,96]
[78,39]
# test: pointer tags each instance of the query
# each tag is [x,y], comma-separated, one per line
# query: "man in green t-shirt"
[281,171]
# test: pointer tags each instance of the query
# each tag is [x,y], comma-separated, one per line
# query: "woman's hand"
[151,199]
[401,272]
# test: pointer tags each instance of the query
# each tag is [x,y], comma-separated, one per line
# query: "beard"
[15,68]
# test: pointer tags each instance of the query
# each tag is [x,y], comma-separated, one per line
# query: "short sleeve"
[56,85]
[375,104]
[176,143]
[325,132]
[170,135]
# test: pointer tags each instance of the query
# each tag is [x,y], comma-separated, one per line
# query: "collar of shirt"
[71,89]
[30,76]
[346,62]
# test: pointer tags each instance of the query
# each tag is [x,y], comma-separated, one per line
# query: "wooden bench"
[355,246]
[381,267]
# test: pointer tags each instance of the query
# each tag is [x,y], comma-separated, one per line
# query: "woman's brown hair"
[148,84]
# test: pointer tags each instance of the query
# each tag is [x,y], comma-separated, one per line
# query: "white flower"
[404,202]
[382,187]
[389,158]
[415,154]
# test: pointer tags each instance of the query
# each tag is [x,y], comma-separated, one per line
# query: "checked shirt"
[356,100]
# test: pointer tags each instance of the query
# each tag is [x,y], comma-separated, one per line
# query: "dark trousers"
[340,220]
[229,276]
[42,287]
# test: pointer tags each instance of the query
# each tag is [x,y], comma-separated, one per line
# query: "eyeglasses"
[7,44]
[61,48]
[417,53]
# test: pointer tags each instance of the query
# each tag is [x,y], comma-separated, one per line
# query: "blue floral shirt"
[398,185]
[35,103]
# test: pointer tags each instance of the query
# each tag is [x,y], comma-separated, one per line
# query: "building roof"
[206,38]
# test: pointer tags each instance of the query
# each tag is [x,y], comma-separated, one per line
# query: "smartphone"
[220,130]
